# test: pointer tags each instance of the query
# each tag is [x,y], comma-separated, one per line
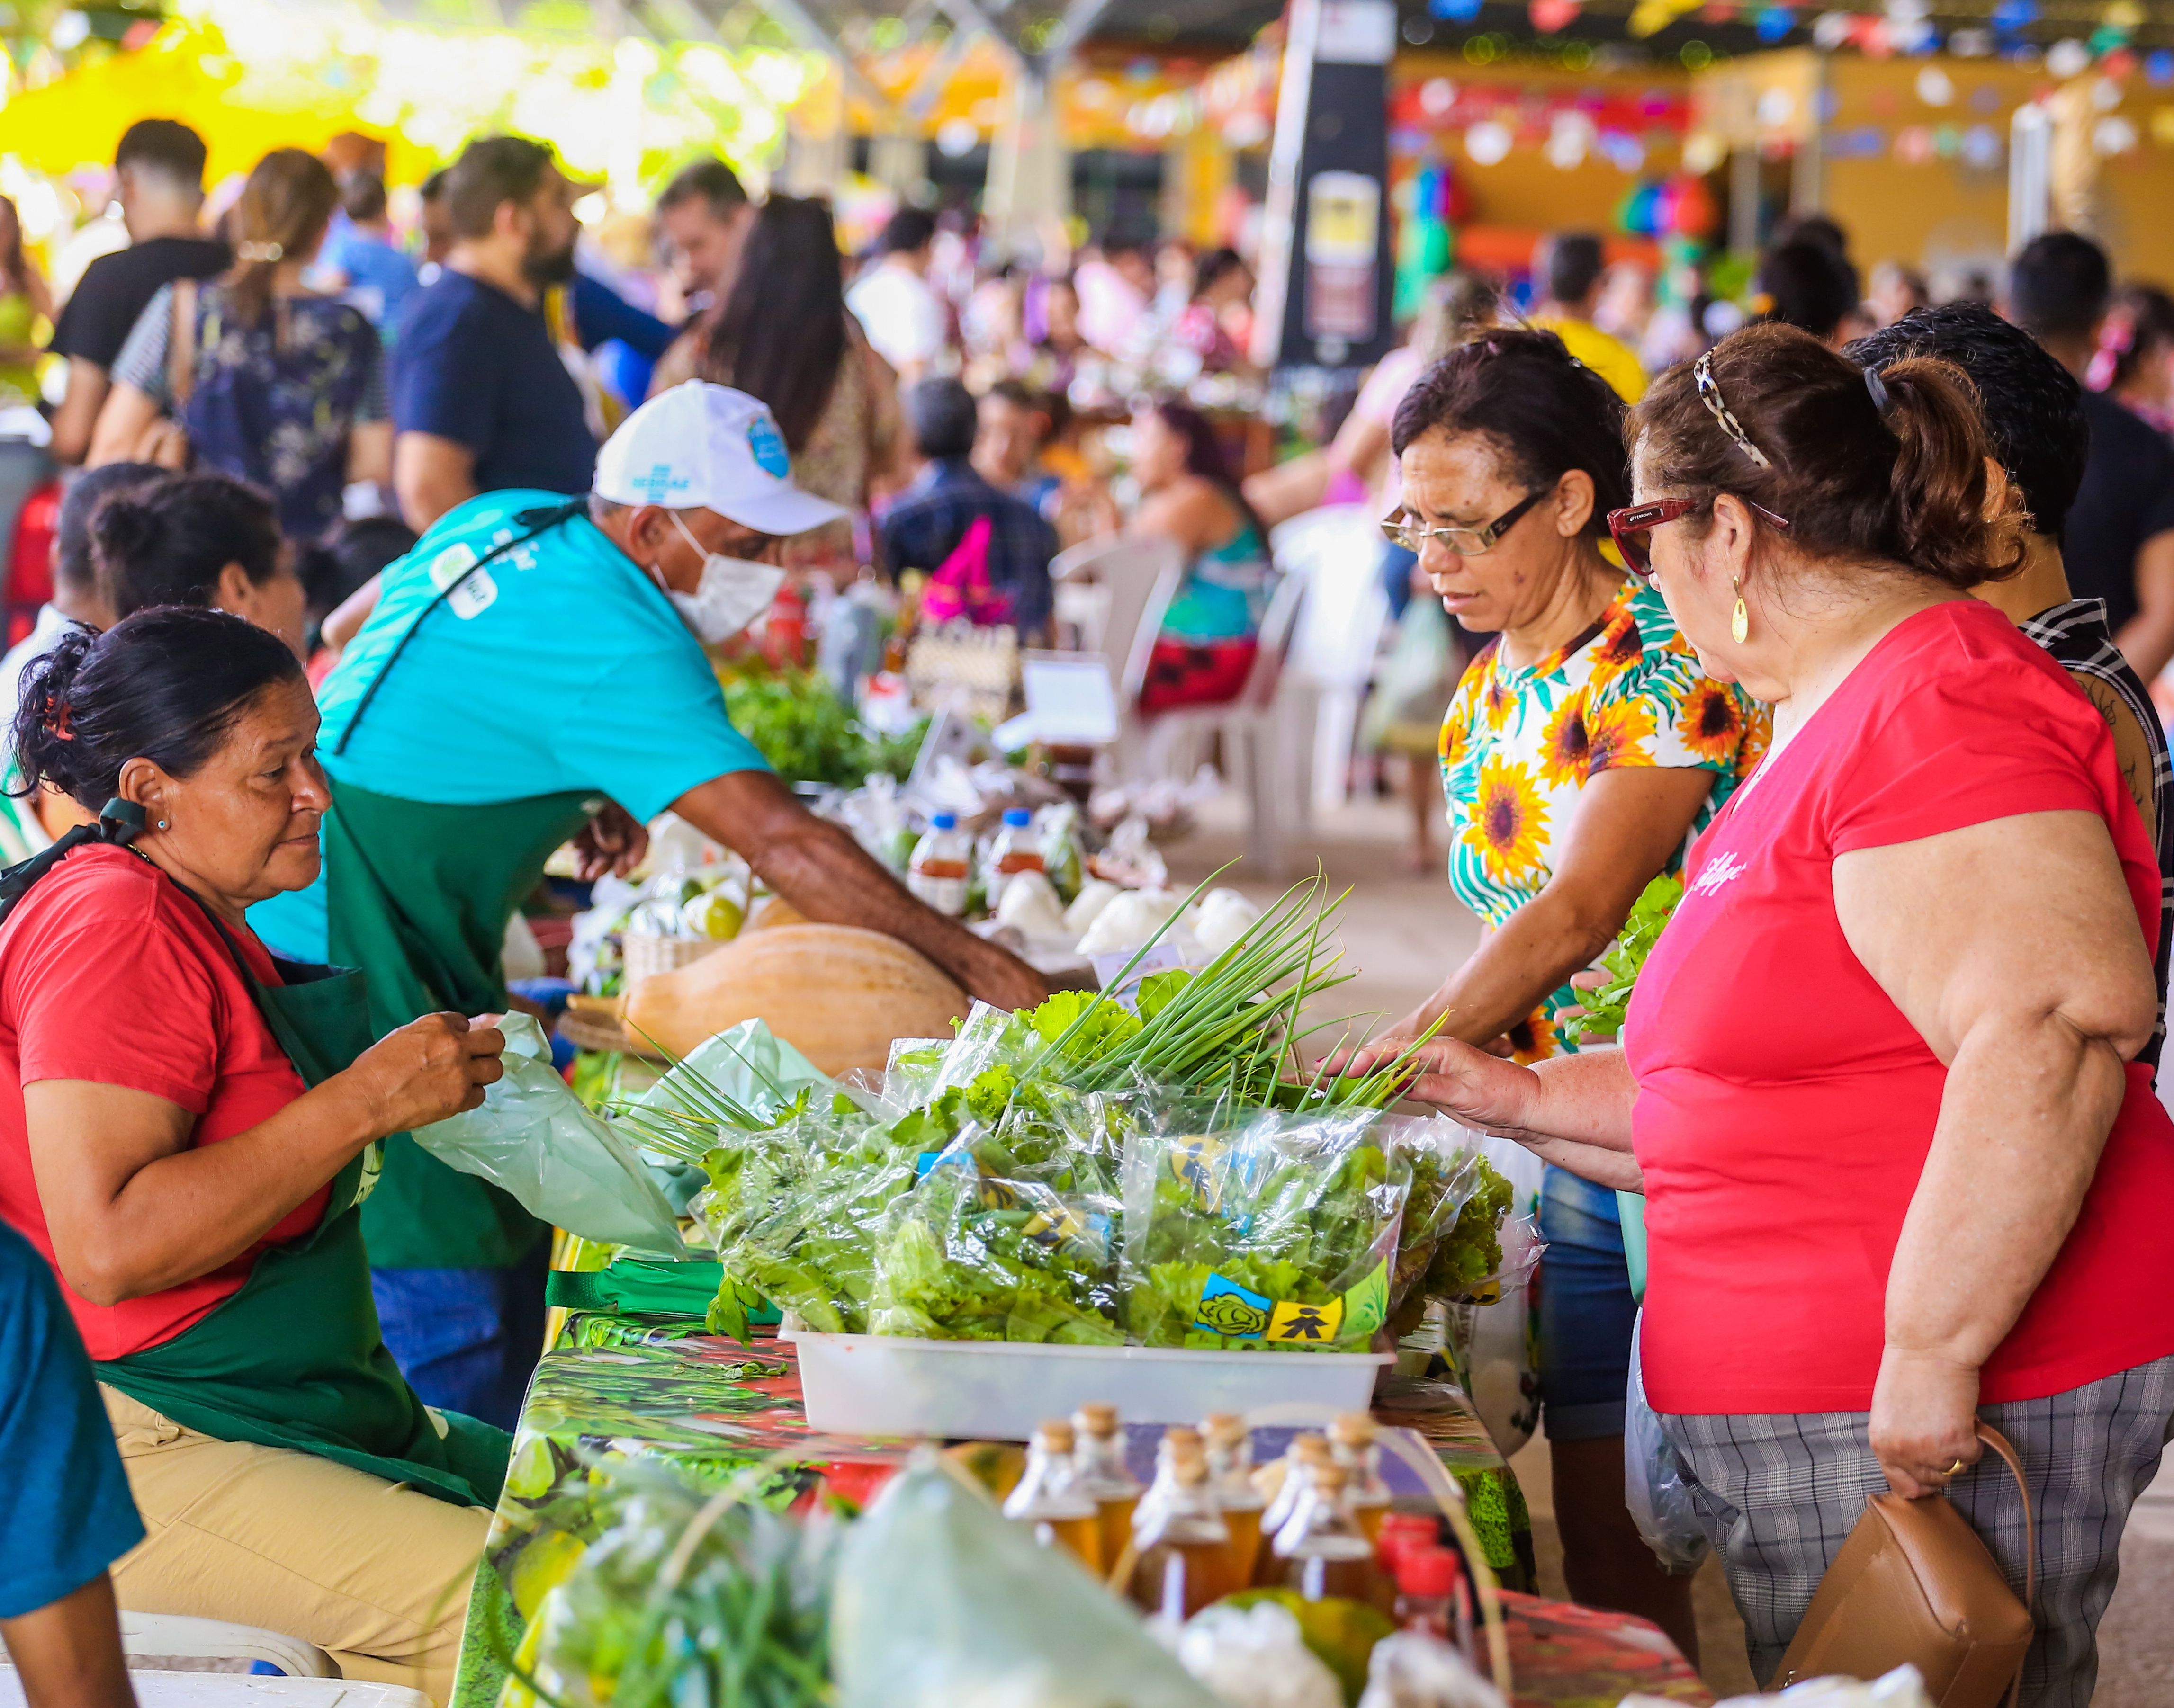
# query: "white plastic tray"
[889,1384]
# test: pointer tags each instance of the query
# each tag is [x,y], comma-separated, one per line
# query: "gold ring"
[1953,1468]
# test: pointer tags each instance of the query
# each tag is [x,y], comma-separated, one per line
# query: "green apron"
[296,1358]
[418,896]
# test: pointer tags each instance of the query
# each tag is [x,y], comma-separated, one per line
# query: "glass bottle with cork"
[1351,1440]
[1305,1455]
[1048,1499]
[1230,1453]
[1100,1473]
[1321,1552]
[1182,1546]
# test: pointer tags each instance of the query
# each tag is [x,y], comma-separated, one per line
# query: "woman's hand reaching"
[426,1070]
[1479,1089]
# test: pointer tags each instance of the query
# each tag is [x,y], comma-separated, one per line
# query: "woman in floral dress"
[272,382]
[1584,747]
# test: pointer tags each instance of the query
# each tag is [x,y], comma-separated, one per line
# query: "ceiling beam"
[1080,17]
[810,31]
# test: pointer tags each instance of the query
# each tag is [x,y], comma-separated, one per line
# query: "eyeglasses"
[1629,528]
[1465,542]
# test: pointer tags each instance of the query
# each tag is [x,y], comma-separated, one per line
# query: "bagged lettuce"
[1277,1235]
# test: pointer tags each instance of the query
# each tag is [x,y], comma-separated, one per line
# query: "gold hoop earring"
[1739,619]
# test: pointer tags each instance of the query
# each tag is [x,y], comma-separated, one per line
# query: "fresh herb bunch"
[739,1619]
[1606,1007]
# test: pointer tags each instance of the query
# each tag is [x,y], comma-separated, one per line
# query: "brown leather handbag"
[1914,1583]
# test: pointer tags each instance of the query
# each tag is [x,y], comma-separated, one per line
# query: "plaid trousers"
[1777,1493]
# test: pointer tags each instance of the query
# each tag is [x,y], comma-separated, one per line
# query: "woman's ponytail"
[281,216]
[47,747]
[165,685]
[1939,477]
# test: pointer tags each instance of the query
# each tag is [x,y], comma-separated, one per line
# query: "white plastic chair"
[1254,728]
[1338,547]
[157,1637]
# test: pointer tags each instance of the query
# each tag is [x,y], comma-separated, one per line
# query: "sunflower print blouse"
[1519,744]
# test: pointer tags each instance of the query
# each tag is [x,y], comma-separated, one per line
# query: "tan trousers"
[372,1572]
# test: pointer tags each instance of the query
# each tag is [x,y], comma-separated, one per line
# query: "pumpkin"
[774,910]
[835,992]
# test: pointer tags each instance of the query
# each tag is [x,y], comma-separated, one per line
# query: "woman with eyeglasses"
[1585,745]
[1878,1080]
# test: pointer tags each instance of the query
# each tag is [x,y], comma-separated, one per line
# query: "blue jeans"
[467,1339]
[1586,1313]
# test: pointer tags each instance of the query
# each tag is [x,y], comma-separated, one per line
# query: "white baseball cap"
[700,446]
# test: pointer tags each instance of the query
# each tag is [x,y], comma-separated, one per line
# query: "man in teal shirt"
[534,671]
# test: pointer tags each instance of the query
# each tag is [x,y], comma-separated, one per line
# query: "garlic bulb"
[1030,903]
[1130,920]
[1095,895]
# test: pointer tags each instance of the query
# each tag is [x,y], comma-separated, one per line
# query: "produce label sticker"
[1316,1325]
[1196,1161]
[1228,1309]
[1366,1305]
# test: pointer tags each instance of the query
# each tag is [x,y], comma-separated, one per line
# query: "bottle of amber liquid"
[1351,1440]
[1177,1442]
[1306,1455]
[1098,1463]
[1321,1552]
[1181,1545]
[1048,1499]
[1229,1450]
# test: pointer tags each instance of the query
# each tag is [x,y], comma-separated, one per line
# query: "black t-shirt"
[473,365]
[2127,496]
[110,296]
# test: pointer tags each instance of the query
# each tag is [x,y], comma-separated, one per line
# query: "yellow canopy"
[182,72]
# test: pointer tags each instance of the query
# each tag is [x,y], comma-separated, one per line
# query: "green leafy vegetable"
[1606,1007]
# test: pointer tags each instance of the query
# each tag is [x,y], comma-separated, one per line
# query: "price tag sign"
[1163,957]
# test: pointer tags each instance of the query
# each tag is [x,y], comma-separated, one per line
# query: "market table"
[627,1387]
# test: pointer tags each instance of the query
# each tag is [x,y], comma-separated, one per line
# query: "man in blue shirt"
[371,271]
[482,401]
[930,516]
[65,1510]
[534,671]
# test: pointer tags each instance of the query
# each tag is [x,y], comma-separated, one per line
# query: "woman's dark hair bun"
[1860,482]
[165,684]
[168,542]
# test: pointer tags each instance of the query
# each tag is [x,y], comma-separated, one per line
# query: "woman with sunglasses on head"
[1877,1079]
[1585,745]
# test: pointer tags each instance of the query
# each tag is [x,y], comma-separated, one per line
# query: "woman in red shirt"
[1877,1081]
[186,1129]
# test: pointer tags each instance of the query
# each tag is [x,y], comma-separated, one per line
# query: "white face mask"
[732,592]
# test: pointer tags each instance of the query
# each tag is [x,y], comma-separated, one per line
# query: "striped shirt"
[2077,637]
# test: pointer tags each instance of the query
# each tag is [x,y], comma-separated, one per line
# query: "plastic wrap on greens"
[747,1621]
[1276,1236]
[969,1254]
[789,1211]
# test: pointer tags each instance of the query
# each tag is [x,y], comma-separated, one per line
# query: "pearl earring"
[1739,619]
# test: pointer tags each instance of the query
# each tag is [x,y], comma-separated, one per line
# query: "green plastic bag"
[534,1139]
[751,1064]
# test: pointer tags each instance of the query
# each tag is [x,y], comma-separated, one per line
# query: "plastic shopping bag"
[1492,1345]
[1654,1480]
[748,1064]
[533,1138]
[941,1601]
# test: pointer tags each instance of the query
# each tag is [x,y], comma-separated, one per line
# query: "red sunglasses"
[1630,527]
